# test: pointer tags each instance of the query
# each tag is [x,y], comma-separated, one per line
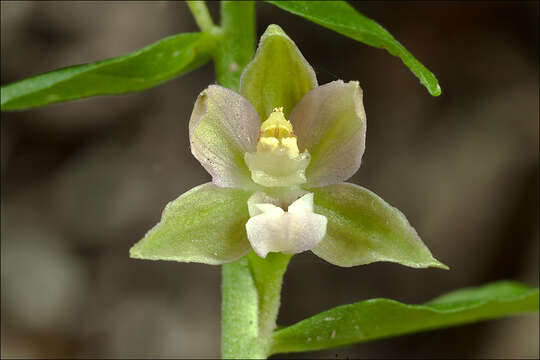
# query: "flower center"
[277,162]
[277,135]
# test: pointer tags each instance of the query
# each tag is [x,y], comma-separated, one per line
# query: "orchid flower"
[279,152]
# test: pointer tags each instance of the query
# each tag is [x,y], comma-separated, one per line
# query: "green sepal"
[362,228]
[278,75]
[206,225]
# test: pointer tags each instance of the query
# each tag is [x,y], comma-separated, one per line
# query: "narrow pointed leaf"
[381,318]
[205,225]
[344,19]
[142,69]
[362,228]
[278,75]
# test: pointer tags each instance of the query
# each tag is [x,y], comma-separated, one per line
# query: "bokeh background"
[81,182]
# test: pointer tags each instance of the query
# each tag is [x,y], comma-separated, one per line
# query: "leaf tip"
[135,251]
[4,100]
[435,90]
[439,265]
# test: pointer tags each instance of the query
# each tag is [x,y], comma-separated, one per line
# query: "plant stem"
[239,312]
[237,44]
[251,286]
[251,292]
[268,276]
[201,15]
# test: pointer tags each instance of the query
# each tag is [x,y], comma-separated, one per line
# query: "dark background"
[83,181]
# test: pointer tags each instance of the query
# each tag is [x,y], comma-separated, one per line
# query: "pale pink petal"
[223,127]
[330,123]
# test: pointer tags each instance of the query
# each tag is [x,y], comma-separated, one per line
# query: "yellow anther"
[291,146]
[268,144]
[276,125]
[277,135]
[277,162]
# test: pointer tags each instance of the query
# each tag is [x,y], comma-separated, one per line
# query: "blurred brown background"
[83,181]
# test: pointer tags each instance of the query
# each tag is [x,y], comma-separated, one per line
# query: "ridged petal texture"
[205,225]
[223,127]
[330,123]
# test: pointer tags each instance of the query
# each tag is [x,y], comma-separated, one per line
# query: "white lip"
[271,229]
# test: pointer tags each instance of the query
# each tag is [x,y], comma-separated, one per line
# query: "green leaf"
[279,75]
[142,69]
[237,41]
[381,318]
[206,224]
[344,19]
[362,228]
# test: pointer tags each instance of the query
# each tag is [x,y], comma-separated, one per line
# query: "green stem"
[251,286]
[237,44]
[239,312]
[268,276]
[251,292]
[201,15]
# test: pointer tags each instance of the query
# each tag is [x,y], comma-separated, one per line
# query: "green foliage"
[279,75]
[205,224]
[380,318]
[142,69]
[344,19]
[237,41]
[363,228]
[230,45]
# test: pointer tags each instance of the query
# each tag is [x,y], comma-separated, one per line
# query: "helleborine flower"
[278,154]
